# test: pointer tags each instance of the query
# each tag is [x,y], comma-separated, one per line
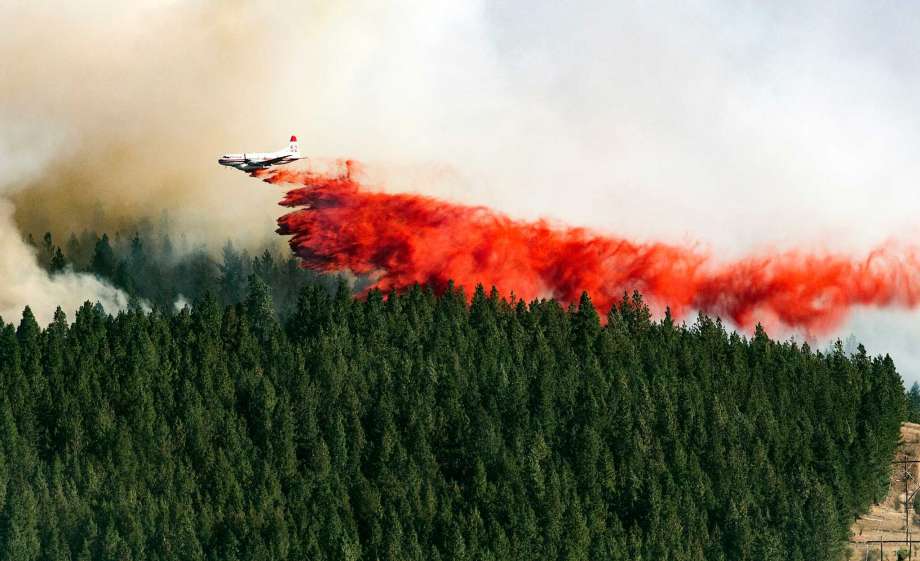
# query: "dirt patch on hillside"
[886,520]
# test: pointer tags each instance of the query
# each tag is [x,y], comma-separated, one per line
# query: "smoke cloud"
[22,281]
[735,128]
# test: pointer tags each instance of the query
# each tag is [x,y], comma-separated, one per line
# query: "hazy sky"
[733,126]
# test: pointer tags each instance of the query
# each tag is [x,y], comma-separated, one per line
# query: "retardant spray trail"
[405,239]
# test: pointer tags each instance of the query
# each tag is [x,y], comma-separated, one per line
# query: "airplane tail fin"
[293,148]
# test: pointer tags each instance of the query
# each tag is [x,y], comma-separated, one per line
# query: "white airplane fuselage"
[250,161]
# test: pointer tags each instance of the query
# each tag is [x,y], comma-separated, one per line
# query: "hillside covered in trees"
[424,427]
[160,273]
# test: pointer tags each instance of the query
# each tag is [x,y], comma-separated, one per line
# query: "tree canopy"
[421,426]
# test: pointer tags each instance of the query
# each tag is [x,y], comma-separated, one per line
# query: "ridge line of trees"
[154,272]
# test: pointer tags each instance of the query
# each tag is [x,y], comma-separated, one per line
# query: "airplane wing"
[266,163]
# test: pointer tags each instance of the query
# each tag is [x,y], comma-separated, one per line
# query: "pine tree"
[58,262]
[913,403]
[104,261]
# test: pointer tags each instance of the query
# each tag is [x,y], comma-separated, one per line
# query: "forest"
[273,415]
[161,273]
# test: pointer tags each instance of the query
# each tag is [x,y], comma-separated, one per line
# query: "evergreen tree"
[104,261]
[913,403]
[58,262]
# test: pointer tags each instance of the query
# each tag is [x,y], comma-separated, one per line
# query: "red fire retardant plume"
[404,239]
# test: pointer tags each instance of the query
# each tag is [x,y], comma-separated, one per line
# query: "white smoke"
[181,303]
[22,281]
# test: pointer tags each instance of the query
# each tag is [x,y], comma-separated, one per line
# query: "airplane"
[258,160]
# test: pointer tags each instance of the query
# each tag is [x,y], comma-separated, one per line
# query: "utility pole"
[906,476]
[909,495]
